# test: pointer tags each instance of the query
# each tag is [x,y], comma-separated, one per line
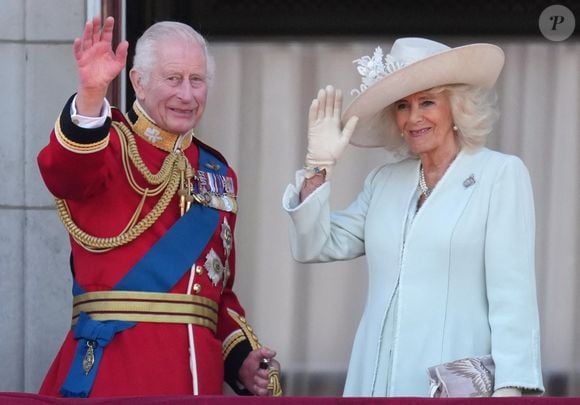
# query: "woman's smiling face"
[425,120]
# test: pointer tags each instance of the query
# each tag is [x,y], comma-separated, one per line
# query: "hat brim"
[476,64]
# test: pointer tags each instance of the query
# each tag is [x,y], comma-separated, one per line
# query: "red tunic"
[150,358]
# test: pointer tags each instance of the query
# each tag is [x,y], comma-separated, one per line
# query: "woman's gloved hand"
[326,139]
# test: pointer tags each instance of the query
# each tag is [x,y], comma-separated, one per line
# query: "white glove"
[326,140]
[507,392]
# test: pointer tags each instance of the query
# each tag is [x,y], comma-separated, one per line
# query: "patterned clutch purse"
[469,377]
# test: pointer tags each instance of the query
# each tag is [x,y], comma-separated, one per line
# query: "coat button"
[197,288]
[198,270]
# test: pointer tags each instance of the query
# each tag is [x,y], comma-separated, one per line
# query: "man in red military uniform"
[151,213]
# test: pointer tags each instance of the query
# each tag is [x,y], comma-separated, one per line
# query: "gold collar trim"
[156,136]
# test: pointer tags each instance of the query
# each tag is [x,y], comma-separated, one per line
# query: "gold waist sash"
[138,306]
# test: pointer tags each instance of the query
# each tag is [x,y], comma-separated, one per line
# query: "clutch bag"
[468,377]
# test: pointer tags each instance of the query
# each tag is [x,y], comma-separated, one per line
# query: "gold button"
[196,288]
[198,270]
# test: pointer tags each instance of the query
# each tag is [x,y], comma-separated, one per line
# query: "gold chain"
[167,179]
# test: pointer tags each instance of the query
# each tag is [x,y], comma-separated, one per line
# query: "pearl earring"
[455,128]
[402,135]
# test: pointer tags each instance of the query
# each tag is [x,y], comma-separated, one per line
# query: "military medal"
[227,242]
[226,235]
[214,267]
[213,166]
[89,358]
[226,202]
[214,190]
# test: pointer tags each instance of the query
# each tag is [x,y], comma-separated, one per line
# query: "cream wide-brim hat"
[413,65]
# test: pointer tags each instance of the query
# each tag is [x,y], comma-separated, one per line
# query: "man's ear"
[136,78]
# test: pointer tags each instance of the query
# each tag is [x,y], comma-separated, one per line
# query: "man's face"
[176,92]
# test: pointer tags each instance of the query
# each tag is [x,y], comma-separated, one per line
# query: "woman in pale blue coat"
[447,229]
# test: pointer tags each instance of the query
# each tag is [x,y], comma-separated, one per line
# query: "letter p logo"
[557,23]
[557,20]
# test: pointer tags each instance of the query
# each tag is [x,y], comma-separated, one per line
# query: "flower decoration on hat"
[372,69]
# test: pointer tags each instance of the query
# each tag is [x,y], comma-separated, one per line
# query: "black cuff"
[232,365]
[83,136]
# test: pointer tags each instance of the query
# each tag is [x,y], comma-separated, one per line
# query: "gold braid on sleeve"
[166,180]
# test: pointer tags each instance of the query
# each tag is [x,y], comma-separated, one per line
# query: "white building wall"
[37,75]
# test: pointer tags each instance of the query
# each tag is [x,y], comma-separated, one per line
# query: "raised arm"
[97,64]
[326,139]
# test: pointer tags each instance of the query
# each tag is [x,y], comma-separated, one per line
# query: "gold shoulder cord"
[175,168]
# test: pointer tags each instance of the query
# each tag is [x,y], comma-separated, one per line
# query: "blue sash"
[98,334]
[168,260]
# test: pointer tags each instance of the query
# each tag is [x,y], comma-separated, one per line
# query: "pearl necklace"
[426,191]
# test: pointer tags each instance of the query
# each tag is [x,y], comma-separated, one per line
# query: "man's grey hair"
[145,52]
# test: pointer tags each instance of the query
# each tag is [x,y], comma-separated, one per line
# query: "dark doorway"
[246,20]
